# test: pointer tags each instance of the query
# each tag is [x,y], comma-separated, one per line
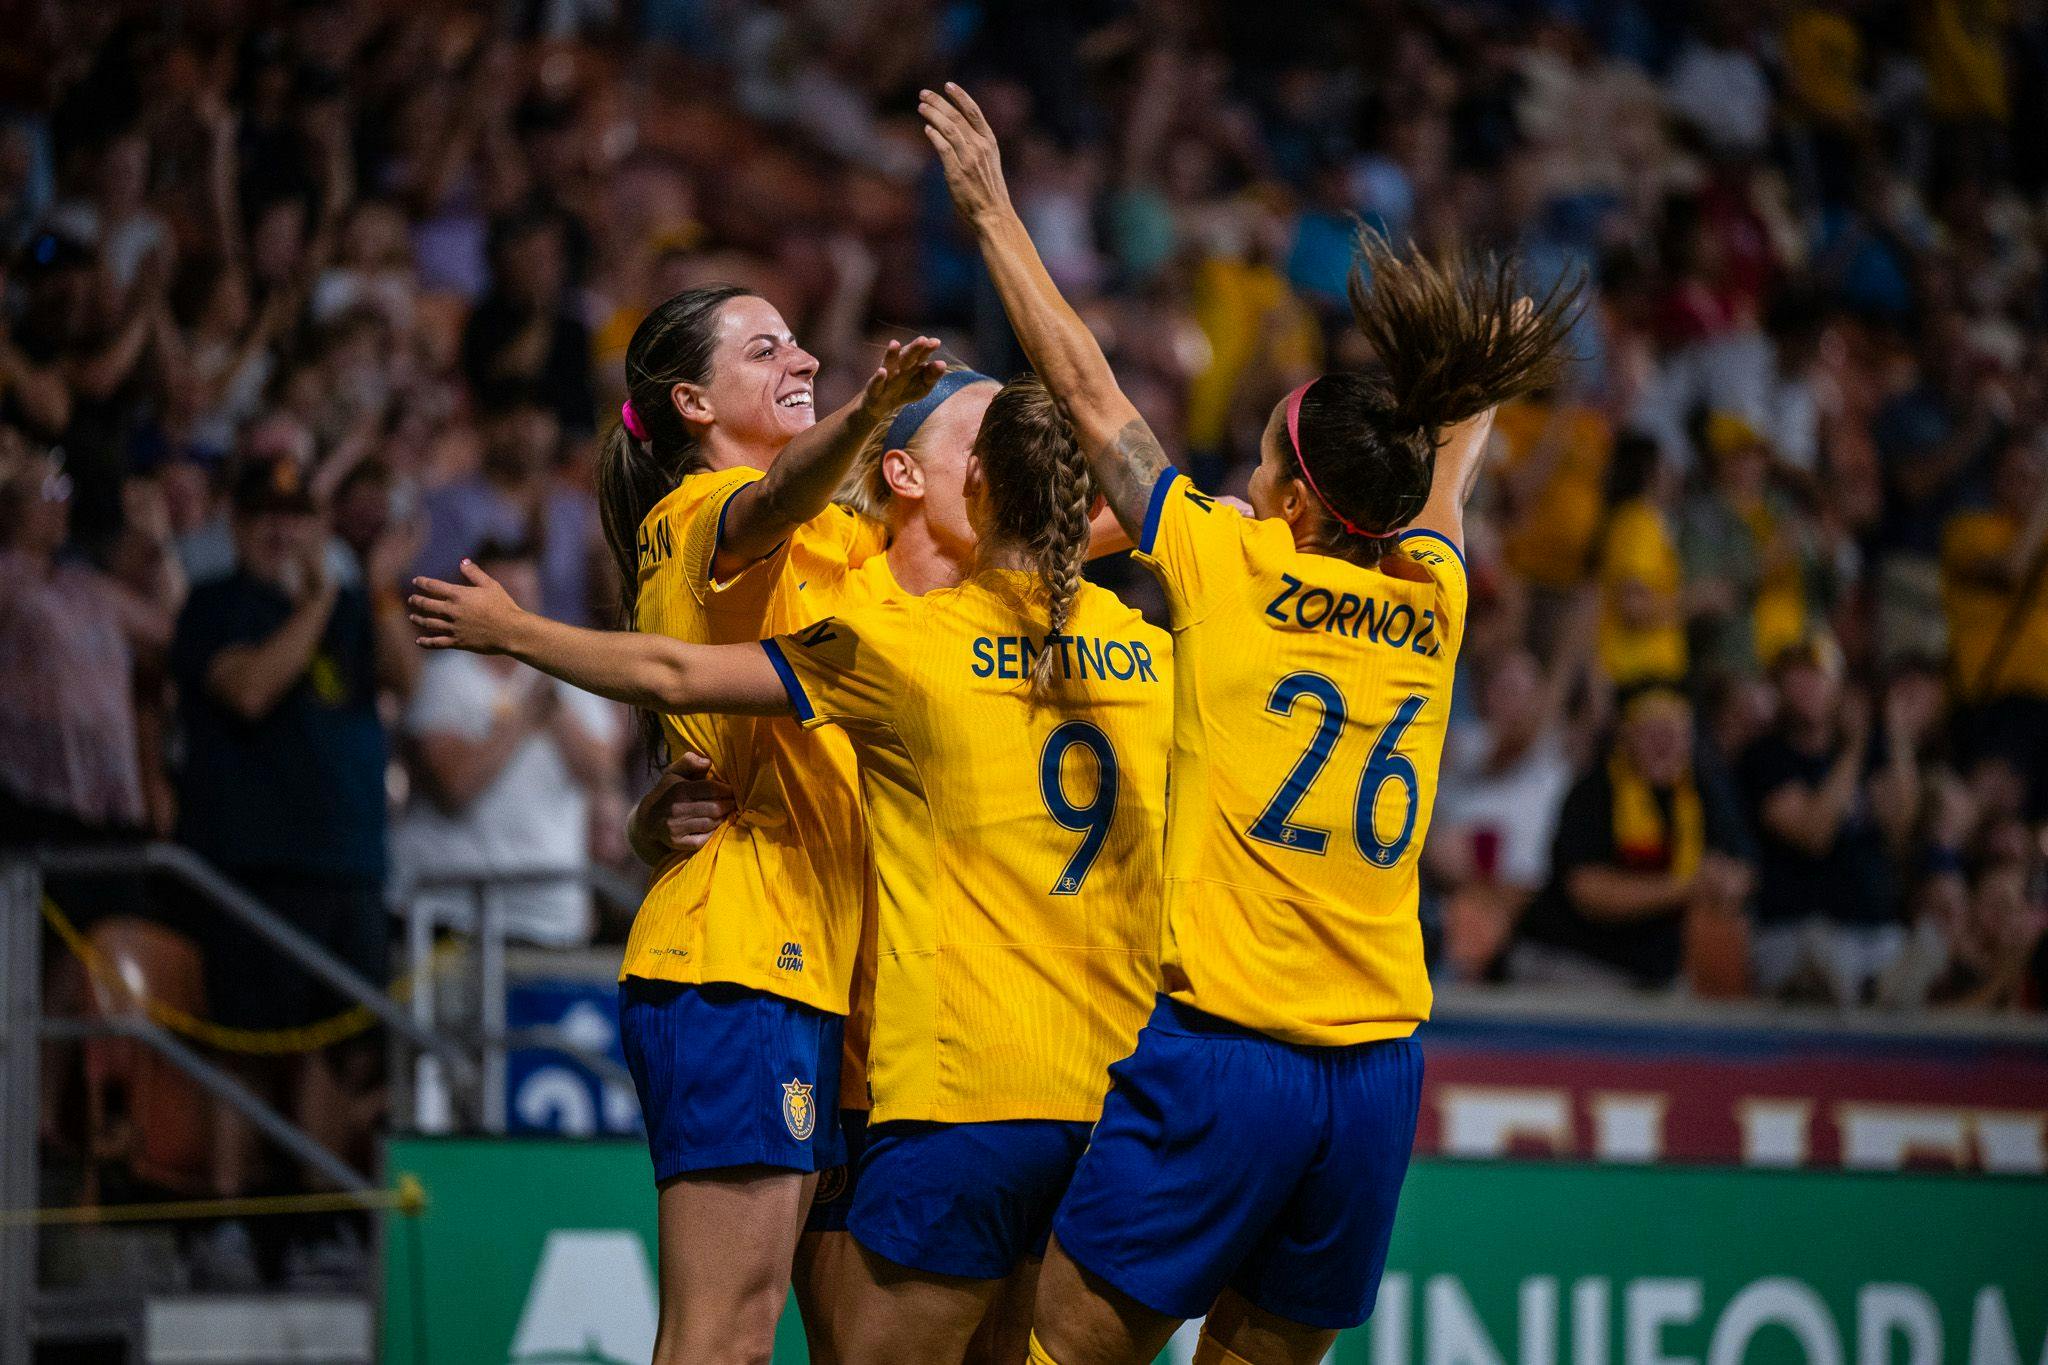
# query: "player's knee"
[1209,1351]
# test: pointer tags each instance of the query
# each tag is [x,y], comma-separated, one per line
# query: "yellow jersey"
[1979,608]
[774,900]
[1638,549]
[1311,700]
[1017,846]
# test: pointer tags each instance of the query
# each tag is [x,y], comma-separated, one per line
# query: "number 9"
[1092,821]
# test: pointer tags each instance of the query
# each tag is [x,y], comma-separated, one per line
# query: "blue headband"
[913,415]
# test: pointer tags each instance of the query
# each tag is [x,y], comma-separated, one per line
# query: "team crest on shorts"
[798,1110]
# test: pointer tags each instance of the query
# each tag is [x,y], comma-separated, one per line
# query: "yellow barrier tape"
[408,1197]
[251,1042]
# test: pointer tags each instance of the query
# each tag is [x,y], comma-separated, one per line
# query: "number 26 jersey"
[1310,701]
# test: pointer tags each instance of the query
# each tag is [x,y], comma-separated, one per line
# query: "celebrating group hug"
[1053,980]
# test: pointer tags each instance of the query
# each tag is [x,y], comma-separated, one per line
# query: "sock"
[1039,1355]
[1209,1351]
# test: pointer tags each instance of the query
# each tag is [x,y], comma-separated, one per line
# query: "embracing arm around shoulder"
[1121,449]
[652,672]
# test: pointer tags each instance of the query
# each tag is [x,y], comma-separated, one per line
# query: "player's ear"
[972,481]
[693,404]
[903,474]
[1294,500]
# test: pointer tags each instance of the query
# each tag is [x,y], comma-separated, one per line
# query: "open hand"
[906,374]
[478,616]
[954,125]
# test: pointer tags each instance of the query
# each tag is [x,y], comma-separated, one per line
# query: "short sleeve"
[1435,555]
[843,669]
[1192,545]
[745,594]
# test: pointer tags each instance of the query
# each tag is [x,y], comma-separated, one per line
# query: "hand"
[1722,880]
[479,616]
[1237,504]
[954,125]
[907,374]
[684,808]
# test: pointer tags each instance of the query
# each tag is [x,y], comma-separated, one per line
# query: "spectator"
[505,761]
[70,640]
[1995,582]
[520,495]
[523,337]
[1504,779]
[282,788]
[1828,913]
[1642,580]
[1645,838]
[1745,570]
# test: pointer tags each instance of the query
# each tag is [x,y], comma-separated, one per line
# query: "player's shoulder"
[1101,609]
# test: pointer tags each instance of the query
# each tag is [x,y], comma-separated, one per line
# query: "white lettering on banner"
[2012,1142]
[1391,1339]
[1991,1336]
[1485,1120]
[1781,1302]
[1651,1305]
[1882,1309]
[1589,1320]
[1454,1333]
[1775,1132]
[1539,1320]
[592,1299]
[1627,1127]
[1887,1136]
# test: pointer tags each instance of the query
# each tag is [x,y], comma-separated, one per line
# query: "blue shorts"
[836,1186]
[965,1199]
[731,1076]
[1227,1158]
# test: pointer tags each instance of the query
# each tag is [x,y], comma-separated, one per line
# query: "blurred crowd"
[303,298]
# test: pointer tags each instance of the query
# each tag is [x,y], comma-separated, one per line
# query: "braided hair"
[1039,492]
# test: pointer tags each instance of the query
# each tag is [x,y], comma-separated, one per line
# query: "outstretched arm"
[652,672]
[1120,447]
[801,482]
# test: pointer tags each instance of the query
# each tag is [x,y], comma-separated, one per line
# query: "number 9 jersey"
[1018,844]
[1311,697]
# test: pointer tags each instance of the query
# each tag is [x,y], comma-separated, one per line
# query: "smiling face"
[759,390]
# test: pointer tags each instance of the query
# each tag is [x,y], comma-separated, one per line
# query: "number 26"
[1382,765]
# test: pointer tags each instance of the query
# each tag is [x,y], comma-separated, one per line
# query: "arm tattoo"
[1126,469]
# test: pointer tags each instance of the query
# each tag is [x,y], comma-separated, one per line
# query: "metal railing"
[23,1029]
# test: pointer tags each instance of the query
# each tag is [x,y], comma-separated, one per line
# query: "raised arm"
[801,482]
[1121,450]
[1459,457]
[652,672]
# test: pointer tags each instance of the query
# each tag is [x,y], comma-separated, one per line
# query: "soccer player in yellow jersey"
[1251,1150]
[1013,736]
[714,493]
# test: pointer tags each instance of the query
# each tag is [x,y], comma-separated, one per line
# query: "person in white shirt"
[505,761]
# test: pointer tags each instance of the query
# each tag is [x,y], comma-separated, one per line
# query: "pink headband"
[632,421]
[1294,439]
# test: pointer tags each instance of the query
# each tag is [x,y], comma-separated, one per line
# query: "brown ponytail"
[671,346]
[1452,341]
